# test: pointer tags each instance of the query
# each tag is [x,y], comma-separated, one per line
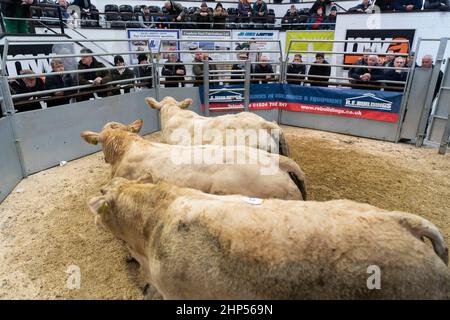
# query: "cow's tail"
[422,228]
[296,174]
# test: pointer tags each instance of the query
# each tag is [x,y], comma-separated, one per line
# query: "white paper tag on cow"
[254,201]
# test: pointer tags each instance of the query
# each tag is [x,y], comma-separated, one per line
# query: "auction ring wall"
[37,140]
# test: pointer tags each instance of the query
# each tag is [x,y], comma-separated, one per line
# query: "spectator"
[364,7]
[121,73]
[366,74]
[319,70]
[176,11]
[389,60]
[443,5]
[259,11]
[198,68]
[83,4]
[407,5]
[145,71]
[63,5]
[427,63]
[27,85]
[331,19]
[360,62]
[146,19]
[296,70]
[95,78]
[320,4]
[315,20]
[244,11]
[396,74]
[243,56]
[58,81]
[203,16]
[73,20]
[16,9]
[220,17]
[263,67]
[385,5]
[173,70]
[291,17]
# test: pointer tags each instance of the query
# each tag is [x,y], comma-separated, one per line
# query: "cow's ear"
[185,103]
[136,126]
[98,205]
[90,137]
[145,178]
[152,103]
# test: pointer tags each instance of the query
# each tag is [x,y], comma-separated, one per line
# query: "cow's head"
[96,137]
[167,101]
[112,211]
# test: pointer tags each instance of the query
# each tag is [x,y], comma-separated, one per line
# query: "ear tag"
[253,201]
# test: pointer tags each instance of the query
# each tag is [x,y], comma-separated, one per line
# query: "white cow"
[193,245]
[186,127]
[212,169]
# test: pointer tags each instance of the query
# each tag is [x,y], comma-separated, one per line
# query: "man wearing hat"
[144,71]
[331,18]
[321,69]
[203,16]
[95,78]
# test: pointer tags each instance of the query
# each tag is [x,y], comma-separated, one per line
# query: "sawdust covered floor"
[47,228]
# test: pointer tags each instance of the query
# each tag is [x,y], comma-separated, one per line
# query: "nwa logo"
[368,101]
[225,96]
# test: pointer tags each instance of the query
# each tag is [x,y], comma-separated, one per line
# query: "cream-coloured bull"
[260,174]
[193,245]
[185,127]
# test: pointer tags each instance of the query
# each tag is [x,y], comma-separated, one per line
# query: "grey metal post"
[8,105]
[445,138]
[156,80]
[430,92]
[206,85]
[248,69]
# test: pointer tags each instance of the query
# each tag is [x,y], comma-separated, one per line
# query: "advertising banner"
[203,40]
[357,44]
[151,39]
[353,103]
[309,46]
[255,40]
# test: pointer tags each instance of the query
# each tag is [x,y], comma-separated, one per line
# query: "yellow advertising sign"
[309,46]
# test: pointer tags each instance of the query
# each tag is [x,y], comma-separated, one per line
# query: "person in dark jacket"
[16,9]
[176,11]
[27,85]
[244,11]
[408,5]
[443,5]
[295,69]
[291,17]
[331,19]
[243,56]
[145,70]
[176,72]
[121,73]
[96,78]
[58,81]
[427,63]
[396,74]
[363,7]
[220,17]
[366,74]
[203,16]
[259,11]
[320,70]
[263,67]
